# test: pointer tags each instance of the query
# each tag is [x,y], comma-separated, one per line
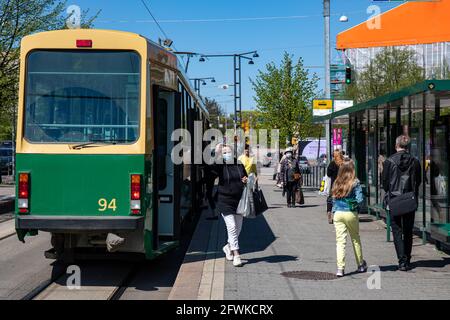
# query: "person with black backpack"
[401,180]
[291,176]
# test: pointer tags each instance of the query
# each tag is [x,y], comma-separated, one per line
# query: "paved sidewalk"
[300,239]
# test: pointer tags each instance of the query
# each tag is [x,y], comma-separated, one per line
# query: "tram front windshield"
[82,96]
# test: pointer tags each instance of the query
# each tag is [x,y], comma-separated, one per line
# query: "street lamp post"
[326,15]
[201,81]
[189,55]
[237,79]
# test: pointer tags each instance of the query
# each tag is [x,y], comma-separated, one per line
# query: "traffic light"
[348,75]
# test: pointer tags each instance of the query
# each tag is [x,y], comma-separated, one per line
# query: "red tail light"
[135,203]
[24,192]
[84,43]
[135,187]
[24,179]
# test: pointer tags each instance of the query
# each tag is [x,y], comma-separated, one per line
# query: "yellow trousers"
[347,222]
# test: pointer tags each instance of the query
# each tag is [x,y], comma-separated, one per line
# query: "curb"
[195,276]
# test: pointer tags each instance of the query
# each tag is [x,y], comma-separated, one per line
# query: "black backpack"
[291,171]
[403,199]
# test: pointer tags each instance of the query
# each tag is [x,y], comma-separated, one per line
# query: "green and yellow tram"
[96,112]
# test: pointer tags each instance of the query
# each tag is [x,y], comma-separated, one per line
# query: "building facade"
[422,27]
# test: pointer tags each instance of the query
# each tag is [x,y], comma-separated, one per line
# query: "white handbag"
[325,186]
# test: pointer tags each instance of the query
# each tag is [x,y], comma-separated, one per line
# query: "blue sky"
[299,32]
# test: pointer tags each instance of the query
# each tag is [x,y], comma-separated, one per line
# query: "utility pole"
[326,15]
[237,67]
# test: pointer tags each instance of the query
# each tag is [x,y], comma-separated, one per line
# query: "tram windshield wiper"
[99,143]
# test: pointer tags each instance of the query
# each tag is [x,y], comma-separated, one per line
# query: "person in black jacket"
[291,173]
[232,179]
[402,226]
[332,172]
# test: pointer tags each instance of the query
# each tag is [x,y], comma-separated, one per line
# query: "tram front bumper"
[79,224]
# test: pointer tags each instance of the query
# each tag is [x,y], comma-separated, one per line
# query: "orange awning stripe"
[408,24]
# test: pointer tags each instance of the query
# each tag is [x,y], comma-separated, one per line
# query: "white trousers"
[233,223]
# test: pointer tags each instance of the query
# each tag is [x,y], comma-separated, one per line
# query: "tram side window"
[82,96]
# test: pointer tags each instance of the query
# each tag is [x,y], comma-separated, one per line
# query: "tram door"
[166,173]
[439,171]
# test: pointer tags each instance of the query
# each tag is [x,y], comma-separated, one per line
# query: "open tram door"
[166,175]
[439,172]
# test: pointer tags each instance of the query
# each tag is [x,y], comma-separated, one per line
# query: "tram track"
[38,290]
[116,280]
[97,282]
[7,227]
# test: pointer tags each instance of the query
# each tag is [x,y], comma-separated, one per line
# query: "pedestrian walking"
[347,195]
[232,179]
[401,180]
[248,161]
[332,172]
[279,173]
[291,175]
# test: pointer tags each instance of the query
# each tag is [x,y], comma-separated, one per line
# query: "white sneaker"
[237,261]
[227,251]
[340,273]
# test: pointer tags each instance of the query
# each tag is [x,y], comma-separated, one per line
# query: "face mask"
[227,157]
[289,155]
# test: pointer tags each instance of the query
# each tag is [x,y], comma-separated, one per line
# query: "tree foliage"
[391,70]
[284,97]
[19,18]
[214,108]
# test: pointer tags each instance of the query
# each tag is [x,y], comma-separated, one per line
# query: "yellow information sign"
[322,107]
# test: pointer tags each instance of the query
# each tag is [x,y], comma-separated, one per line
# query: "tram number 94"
[105,205]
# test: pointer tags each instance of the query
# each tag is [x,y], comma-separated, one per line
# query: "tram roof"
[178,65]
[421,87]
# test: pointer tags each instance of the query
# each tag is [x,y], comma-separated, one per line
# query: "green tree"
[19,18]
[214,108]
[391,70]
[284,97]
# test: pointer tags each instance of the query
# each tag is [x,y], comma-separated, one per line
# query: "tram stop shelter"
[369,129]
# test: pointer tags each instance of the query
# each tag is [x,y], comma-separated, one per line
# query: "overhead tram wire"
[294,17]
[153,17]
[159,27]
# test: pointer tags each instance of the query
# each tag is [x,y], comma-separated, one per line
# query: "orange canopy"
[408,24]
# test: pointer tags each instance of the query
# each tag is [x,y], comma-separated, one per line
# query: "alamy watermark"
[73,21]
[73,281]
[374,21]
[374,280]
[204,147]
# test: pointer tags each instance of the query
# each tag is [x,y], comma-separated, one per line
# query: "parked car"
[267,159]
[322,161]
[6,160]
[304,164]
